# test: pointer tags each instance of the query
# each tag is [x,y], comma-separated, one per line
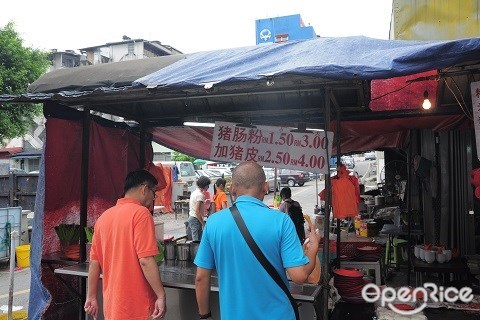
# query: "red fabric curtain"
[113,153]
[193,141]
[364,135]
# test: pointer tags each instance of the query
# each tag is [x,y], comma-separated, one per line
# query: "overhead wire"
[463,107]
[396,90]
[463,99]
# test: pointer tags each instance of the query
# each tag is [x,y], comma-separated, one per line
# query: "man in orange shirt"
[123,249]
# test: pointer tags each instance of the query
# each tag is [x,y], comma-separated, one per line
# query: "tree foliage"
[177,156]
[19,66]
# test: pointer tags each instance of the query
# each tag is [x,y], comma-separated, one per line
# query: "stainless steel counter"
[180,275]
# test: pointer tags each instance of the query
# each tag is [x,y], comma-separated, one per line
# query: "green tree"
[19,66]
[177,156]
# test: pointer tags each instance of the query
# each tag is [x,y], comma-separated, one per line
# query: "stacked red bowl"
[349,284]
[368,253]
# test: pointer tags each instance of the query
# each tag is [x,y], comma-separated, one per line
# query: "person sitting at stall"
[219,197]
[195,222]
[294,210]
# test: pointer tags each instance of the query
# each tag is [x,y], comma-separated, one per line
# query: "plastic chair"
[399,254]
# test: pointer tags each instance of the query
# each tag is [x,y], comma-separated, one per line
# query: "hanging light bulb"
[426,102]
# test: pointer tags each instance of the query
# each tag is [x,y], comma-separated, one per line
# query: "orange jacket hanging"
[344,200]
[345,196]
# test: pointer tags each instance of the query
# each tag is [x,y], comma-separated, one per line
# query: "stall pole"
[84,202]
[142,145]
[325,278]
[275,179]
[13,236]
[409,204]
[339,163]
[11,189]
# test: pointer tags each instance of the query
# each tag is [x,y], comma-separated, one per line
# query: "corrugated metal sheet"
[108,75]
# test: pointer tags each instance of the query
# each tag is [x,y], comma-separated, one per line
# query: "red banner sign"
[275,147]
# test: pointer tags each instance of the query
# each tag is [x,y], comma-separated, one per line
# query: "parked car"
[226,170]
[270,175]
[314,175]
[185,173]
[221,172]
[370,155]
[213,176]
[292,177]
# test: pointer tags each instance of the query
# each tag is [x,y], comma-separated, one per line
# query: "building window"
[97,58]
[162,156]
[131,48]
[68,63]
[34,165]
[281,37]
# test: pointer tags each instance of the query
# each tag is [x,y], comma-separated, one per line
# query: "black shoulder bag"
[261,257]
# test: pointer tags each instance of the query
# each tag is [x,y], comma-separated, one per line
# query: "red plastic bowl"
[348,273]
[403,306]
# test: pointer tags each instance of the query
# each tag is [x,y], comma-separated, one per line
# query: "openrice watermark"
[430,292]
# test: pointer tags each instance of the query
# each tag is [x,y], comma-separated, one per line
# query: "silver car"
[270,175]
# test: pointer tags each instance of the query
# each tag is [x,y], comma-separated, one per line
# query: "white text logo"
[429,292]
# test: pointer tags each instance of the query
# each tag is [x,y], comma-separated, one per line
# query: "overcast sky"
[188,26]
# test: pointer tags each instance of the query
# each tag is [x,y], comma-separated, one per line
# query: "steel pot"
[193,249]
[183,251]
[170,250]
[369,201]
[379,200]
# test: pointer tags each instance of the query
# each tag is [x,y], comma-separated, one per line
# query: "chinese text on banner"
[269,146]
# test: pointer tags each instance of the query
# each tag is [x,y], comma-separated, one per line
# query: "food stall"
[292,84]
[178,278]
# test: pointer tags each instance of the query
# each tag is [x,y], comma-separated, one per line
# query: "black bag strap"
[261,257]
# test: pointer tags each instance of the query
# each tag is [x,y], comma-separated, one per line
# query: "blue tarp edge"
[347,58]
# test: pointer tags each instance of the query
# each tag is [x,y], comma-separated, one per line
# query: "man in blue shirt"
[246,290]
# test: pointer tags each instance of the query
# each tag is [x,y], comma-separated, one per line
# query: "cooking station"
[178,278]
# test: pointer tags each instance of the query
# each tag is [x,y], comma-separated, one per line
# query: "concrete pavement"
[306,195]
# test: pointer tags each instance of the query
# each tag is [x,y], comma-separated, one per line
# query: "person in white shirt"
[195,221]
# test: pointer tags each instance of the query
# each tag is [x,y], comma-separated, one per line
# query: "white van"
[185,179]
[186,171]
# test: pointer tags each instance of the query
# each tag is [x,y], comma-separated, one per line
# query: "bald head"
[248,178]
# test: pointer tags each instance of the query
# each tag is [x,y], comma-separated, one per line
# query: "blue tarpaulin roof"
[347,58]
